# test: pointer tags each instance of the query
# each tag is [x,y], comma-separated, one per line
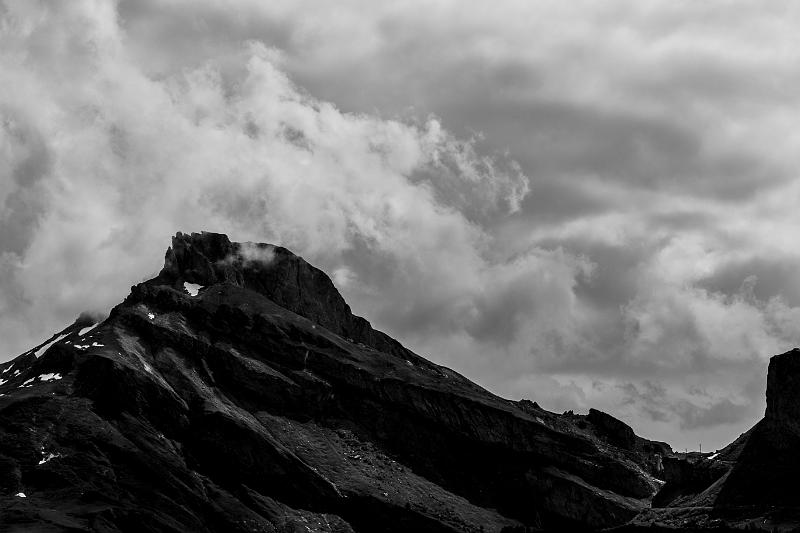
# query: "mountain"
[752,483]
[237,392]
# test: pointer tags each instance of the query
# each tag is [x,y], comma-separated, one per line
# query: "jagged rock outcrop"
[783,390]
[276,273]
[614,430]
[237,392]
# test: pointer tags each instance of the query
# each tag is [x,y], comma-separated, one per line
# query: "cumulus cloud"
[121,159]
[588,205]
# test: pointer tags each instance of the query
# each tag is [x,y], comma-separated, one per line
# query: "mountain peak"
[206,259]
[236,391]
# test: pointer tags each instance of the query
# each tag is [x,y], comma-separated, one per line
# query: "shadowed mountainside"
[237,392]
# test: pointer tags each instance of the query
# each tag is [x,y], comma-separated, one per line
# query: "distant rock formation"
[237,392]
[751,484]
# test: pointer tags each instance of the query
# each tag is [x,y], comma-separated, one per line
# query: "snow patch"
[151,316]
[47,346]
[7,369]
[86,330]
[48,457]
[82,346]
[97,345]
[713,456]
[40,377]
[16,372]
[3,381]
[20,495]
[192,288]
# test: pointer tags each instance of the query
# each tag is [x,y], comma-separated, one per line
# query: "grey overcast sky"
[581,203]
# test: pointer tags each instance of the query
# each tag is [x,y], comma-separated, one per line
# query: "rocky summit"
[237,392]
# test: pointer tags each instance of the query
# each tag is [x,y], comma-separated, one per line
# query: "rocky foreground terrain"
[236,392]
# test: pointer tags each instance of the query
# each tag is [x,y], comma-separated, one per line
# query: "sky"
[586,204]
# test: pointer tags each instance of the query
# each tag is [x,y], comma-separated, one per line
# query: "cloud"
[767,277]
[249,253]
[700,411]
[122,159]
[723,411]
[558,200]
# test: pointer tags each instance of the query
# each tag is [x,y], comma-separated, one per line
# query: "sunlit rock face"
[236,392]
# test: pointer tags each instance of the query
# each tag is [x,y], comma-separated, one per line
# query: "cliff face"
[783,390]
[236,391]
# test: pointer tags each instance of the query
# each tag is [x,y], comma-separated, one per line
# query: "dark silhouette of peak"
[206,259]
[237,392]
[783,390]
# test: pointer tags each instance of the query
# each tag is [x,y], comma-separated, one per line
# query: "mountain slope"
[751,483]
[236,391]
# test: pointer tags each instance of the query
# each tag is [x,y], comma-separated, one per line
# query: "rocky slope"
[237,392]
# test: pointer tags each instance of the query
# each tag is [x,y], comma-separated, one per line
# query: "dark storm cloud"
[765,277]
[561,199]
[569,140]
[615,266]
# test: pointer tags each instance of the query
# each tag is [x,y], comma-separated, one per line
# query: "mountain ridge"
[236,391]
